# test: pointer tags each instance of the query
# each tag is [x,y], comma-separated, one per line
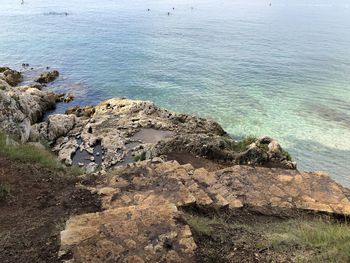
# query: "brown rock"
[47,77]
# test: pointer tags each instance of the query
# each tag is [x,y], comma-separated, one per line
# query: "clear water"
[281,70]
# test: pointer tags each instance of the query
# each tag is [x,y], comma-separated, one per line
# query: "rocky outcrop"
[264,151]
[127,129]
[48,77]
[20,108]
[142,218]
[10,76]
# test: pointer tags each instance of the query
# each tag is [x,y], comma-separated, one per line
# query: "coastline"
[152,164]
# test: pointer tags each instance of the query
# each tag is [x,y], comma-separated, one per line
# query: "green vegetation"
[140,157]
[31,154]
[242,145]
[5,192]
[201,225]
[329,241]
[309,240]
[287,155]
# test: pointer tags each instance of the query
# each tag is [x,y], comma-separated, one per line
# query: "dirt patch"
[195,161]
[33,215]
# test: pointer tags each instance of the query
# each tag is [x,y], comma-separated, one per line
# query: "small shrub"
[242,145]
[287,155]
[140,157]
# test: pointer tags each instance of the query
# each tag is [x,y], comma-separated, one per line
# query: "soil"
[195,161]
[36,210]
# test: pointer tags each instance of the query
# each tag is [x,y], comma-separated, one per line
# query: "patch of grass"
[5,192]
[287,155]
[330,241]
[201,225]
[216,238]
[242,145]
[30,154]
[140,157]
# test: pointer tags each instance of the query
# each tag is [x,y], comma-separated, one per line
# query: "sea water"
[278,67]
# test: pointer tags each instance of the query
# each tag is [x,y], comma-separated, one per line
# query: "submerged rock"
[48,77]
[64,97]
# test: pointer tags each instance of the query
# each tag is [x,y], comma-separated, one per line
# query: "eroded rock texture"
[142,204]
[20,107]
[128,129]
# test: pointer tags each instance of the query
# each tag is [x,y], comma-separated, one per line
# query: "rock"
[142,201]
[86,111]
[63,97]
[59,125]
[48,77]
[148,232]
[224,149]
[67,149]
[10,76]
[115,123]
[91,168]
[19,109]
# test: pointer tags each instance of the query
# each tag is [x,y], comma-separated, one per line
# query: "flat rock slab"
[141,201]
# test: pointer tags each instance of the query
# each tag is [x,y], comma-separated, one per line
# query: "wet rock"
[12,77]
[48,77]
[86,111]
[37,86]
[63,97]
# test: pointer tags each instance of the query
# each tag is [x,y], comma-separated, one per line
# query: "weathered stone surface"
[129,129]
[47,77]
[21,108]
[153,192]
[264,151]
[147,232]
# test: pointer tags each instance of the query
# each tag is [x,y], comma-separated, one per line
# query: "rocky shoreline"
[123,128]
[147,163]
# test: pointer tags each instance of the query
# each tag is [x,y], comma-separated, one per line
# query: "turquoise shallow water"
[281,70]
